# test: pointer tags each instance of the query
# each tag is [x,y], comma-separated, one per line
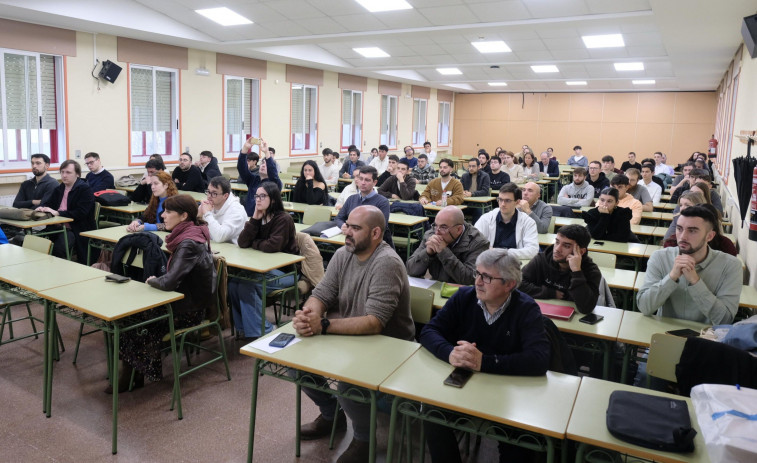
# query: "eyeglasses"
[89,163]
[487,278]
[505,200]
[213,194]
[260,197]
[443,228]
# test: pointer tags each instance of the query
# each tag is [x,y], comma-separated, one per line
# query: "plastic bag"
[727,418]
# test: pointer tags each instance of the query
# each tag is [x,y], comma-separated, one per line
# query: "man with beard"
[34,191]
[564,271]
[692,281]
[579,193]
[365,291]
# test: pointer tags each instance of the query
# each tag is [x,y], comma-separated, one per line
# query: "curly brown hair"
[151,213]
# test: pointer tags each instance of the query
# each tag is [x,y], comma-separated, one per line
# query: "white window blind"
[242,112]
[419,121]
[154,112]
[304,118]
[352,118]
[389,121]
[443,125]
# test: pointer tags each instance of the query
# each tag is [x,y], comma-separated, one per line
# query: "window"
[389,121]
[31,108]
[154,113]
[242,113]
[419,122]
[304,119]
[352,118]
[443,129]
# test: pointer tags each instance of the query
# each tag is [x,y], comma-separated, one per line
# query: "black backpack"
[112,198]
[154,260]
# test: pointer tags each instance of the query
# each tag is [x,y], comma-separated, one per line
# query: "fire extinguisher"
[713,146]
[753,207]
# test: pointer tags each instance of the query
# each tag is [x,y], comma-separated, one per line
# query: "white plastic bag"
[727,418]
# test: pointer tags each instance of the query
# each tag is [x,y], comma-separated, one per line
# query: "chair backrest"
[37,243]
[421,304]
[551,228]
[137,262]
[97,215]
[316,214]
[603,259]
[664,354]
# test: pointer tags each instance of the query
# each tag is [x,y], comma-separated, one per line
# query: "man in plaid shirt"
[424,172]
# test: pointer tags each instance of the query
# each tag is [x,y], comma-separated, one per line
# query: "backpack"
[125,181]
[112,198]
[154,260]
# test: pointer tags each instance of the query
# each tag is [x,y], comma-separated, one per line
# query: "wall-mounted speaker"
[110,71]
[749,32]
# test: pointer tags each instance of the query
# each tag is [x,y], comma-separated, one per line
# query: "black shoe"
[357,452]
[321,427]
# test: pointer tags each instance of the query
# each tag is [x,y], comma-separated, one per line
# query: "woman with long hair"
[530,167]
[515,171]
[190,271]
[608,221]
[163,187]
[311,187]
[270,229]
[691,197]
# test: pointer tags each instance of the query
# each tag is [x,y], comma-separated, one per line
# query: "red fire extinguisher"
[713,146]
[753,207]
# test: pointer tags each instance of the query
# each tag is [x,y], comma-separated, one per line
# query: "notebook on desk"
[560,312]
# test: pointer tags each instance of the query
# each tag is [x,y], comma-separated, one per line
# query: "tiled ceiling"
[685,45]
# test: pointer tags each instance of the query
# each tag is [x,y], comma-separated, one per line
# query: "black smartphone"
[458,377]
[281,340]
[684,333]
[599,243]
[113,278]
[591,319]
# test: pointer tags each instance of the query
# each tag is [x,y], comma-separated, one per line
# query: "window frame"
[313,137]
[385,137]
[441,123]
[53,142]
[175,141]
[255,116]
[418,138]
[355,139]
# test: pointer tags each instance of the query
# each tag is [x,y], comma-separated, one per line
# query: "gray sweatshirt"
[576,195]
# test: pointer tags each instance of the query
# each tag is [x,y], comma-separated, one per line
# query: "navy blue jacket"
[80,207]
[553,168]
[102,181]
[253,181]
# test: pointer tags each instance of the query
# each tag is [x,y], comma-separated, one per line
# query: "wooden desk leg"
[392,429]
[253,406]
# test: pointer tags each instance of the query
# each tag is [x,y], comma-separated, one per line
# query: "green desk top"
[748,297]
[338,239]
[611,247]
[637,328]
[36,223]
[12,255]
[133,208]
[587,423]
[606,329]
[40,275]
[239,186]
[650,249]
[619,278]
[195,195]
[123,299]
[639,280]
[290,206]
[478,199]
[253,260]
[503,399]
[341,357]
[113,234]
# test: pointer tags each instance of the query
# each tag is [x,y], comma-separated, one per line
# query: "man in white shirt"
[381,162]
[222,211]
[507,228]
[430,154]
[329,168]
[654,189]
[660,166]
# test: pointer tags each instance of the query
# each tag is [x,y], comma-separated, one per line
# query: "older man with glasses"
[449,250]
[222,211]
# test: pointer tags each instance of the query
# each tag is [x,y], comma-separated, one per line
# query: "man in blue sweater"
[365,179]
[492,328]
[98,178]
[250,173]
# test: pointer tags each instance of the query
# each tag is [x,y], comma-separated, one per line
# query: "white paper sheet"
[262,344]
[421,282]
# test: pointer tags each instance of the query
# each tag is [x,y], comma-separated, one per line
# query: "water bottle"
[444,199]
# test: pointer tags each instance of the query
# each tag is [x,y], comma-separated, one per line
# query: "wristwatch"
[325,323]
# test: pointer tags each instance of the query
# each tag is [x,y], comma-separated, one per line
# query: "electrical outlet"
[77,154]
[186,149]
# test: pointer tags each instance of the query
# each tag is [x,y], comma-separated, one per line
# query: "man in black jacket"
[564,271]
[208,165]
[188,177]
[73,198]
[35,191]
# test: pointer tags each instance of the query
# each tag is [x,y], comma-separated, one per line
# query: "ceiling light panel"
[629,66]
[494,46]
[643,82]
[372,52]
[498,84]
[449,71]
[603,41]
[546,68]
[575,82]
[377,6]
[224,16]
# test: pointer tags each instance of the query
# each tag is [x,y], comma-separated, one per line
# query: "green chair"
[102,223]
[664,354]
[603,259]
[421,304]
[316,214]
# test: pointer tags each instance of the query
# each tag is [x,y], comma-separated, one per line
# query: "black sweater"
[615,226]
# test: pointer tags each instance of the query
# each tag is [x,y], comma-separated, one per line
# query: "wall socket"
[77,154]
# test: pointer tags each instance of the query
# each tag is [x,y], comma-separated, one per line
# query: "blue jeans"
[246,302]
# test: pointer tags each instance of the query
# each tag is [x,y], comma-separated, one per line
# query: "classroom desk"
[12,255]
[126,213]
[639,230]
[83,302]
[27,227]
[484,203]
[539,405]
[587,426]
[747,299]
[341,183]
[337,240]
[636,329]
[105,238]
[339,358]
[636,251]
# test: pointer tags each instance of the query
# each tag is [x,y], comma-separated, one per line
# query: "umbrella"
[743,168]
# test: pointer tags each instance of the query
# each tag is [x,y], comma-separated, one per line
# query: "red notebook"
[561,312]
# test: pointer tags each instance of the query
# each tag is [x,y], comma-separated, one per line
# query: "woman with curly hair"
[163,187]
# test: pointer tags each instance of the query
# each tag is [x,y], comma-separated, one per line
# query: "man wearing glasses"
[98,178]
[222,211]
[507,228]
[412,161]
[491,327]
[449,250]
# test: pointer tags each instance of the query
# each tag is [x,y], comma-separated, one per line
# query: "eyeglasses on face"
[213,194]
[487,278]
[260,197]
[443,228]
[505,200]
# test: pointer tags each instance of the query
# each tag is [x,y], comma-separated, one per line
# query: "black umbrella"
[743,169]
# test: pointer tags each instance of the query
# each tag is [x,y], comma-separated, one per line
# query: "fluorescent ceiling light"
[494,46]
[498,84]
[629,66]
[575,82]
[376,6]
[643,82]
[603,41]
[372,52]
[545,68]
[224,16]
[449,71]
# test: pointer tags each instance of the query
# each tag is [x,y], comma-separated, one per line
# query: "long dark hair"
[272,190]
[317,176]
[533,159]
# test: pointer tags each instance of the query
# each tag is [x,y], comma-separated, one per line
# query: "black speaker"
[110,71]
[749,32]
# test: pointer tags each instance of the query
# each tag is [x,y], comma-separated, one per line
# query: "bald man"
[534,207]
[365,291]
[449,250]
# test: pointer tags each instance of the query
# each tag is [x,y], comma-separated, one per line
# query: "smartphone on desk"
[591,319]
[114,278]
[458,377]
[599,243]
[281,340]
[684,333]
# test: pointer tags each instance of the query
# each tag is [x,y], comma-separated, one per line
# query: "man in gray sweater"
[534,207]
[579,193]
[365,291]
